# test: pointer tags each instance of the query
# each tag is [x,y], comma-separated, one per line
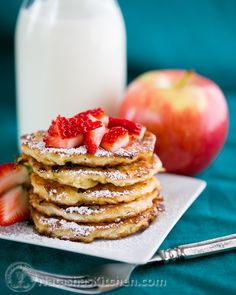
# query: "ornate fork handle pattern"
[198,249]
[171,254]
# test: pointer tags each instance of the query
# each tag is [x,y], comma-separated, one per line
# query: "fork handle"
[198,249]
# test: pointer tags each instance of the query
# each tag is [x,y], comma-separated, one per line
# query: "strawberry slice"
[63,133]
[96,113]
[135,129]
[105,120]
[99,114]
[86,122]
[93,138]
[64,127]
[115,138]
[14,206]
[12,175]
[66,143]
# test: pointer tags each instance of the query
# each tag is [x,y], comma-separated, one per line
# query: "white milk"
[70,56]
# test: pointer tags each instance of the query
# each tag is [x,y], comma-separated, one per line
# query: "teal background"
[161,34]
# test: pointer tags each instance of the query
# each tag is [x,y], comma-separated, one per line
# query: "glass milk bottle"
[70,56]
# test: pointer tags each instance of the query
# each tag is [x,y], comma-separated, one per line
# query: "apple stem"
[185,80]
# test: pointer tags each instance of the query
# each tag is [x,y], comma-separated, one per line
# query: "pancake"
[69,230]
[33,145]
[101,194]
[95,213]
[87,177]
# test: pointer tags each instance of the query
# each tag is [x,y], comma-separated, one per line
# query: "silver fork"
[111,276]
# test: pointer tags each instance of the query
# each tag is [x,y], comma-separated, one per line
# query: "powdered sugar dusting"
[138,170]
[113,174]
[35,141]
[85,210]
[32,143]
[105,193]
[78,229]
[55,194]
[12,232]
[52,191]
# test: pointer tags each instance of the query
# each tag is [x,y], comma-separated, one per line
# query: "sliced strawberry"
[141,133]
[63,133]
[134,128]
[105,120]
[115,138]
[66,143]
[86,122]
[96,113]
[93,139]
[12,175]
[53,130]
[14,206]
[99,114]
[64,127]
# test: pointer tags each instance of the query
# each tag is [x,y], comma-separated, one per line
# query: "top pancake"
[33,145]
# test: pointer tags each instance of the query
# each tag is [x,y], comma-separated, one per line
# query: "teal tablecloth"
[189,34]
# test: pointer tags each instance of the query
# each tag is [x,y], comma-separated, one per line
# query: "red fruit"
[64,127]
[12,175]
[96,113]
[93,139]
[53,130]
[99,114]
[66,143]
[105,120]
[134,128]
[64,133]
[187,112]
[86,122]
[14,206]
[115,138]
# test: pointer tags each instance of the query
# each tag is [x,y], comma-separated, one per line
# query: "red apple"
[186,111]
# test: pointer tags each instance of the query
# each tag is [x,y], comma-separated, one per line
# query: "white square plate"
[179,193]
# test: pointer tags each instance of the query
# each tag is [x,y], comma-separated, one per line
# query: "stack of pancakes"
[82,197]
